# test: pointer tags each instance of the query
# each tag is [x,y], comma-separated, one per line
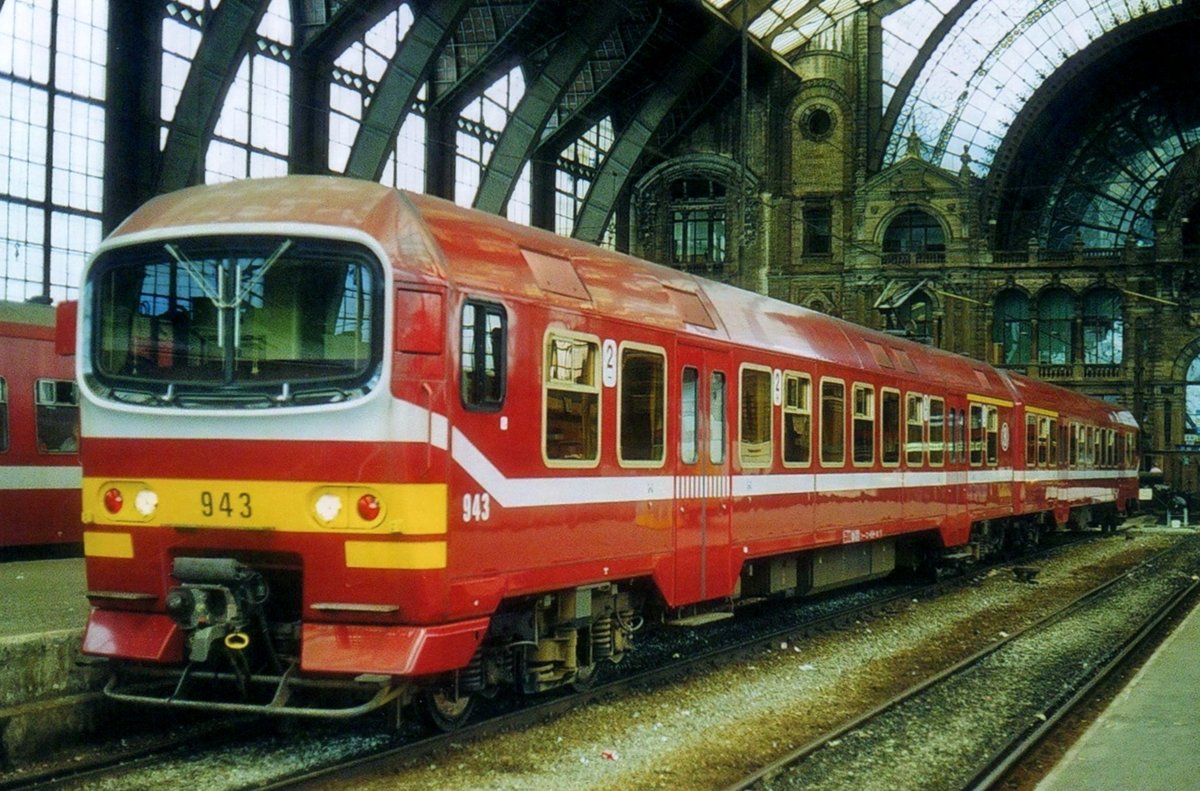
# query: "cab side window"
[483,356]
[57,416]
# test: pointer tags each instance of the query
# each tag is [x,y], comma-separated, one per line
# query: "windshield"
[253,320]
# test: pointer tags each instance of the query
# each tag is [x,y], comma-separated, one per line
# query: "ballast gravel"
[712,729]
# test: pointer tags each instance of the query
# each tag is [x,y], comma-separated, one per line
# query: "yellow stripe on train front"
[410,555]
[107,545]
[285,506]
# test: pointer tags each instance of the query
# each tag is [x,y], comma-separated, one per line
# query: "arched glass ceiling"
[1108,188]
[251,135]
[784,27]
[989,64]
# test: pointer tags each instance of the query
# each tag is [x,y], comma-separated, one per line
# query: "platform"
[1146,739]
[46,698]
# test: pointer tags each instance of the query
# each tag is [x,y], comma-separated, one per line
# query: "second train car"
[343,436]
[39,432]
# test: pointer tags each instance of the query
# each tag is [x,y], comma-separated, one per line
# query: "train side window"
[571,425]
[689,417]
[890,452]
[3,416]
[951,437]
[833,422]
[937,431]
[57,418]
[483,356]
[716,418]
[914,438]
[993,432]
[962,436]
[1031,440]
[1052,430]
[641,409]
[797,420]
[1073,435]
[754,439]
[977,435]
[1043,441]
[864,424]
[1093,444]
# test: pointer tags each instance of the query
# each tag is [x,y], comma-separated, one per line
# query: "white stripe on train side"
[31,477]
[580,490]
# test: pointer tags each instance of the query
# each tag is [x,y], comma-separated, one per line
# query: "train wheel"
[446,710]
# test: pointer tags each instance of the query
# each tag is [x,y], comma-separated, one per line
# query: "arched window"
[1103,327]
[1191,231]
[1056,316]
[1191,417]
[1012,328]
[914,231]
[697,223]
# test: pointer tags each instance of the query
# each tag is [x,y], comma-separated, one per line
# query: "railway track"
[657,667]
[996,705]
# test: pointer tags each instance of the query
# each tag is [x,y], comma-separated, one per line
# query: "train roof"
[430,239]
[1069,403]
[26,320]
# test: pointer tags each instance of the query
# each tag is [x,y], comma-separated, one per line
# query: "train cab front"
[265,520]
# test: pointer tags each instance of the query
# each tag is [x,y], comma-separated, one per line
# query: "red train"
[338,435]
[39,432]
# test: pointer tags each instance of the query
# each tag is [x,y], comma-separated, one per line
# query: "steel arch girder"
[623,156]
[524,128]
[213,71]
[400,85]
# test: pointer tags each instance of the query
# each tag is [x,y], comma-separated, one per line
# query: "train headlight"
[328,506]
[146,502]
[113,500]
[369,507]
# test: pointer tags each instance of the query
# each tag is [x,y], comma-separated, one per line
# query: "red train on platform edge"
[342,438]
[39,432]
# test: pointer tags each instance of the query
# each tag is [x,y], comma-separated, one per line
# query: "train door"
[703,488]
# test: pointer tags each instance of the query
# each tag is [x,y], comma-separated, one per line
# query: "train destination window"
[689,417]
[754,444]
[914,439]
[572,418]
[937,431]
[976,435]
[797,419]
[3,415]
[642,413]
[716,418]
[891,427]
[993,432]
[57,416]
[864,424]
[833,422]
[483,356]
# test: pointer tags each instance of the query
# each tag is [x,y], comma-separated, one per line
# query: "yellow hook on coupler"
[236,641]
